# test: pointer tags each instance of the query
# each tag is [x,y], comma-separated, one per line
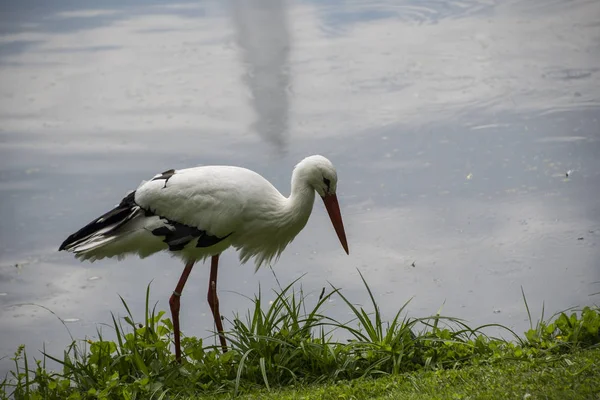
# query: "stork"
[197,213]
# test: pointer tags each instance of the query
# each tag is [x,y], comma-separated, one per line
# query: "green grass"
[570,376]
[287,349]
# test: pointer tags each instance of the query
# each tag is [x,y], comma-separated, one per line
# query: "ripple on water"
[338,19]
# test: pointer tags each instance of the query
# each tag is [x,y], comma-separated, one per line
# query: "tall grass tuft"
[284,342]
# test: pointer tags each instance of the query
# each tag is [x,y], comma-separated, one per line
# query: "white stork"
[196,213]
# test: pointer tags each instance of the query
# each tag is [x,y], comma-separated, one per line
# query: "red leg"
[174,304]
[213,300]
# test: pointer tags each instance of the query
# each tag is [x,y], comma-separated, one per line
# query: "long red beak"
[333,209]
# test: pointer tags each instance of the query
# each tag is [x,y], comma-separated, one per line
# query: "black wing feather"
[118,215]
[178,235]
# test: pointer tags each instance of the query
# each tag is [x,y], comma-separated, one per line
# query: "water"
[452,124]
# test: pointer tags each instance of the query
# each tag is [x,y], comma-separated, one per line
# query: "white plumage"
[199,212]
[227,202]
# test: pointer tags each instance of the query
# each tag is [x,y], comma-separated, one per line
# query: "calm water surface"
[452,124]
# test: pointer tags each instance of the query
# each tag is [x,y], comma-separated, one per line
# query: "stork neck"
[302,197]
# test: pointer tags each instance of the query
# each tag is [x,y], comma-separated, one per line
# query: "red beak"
[333,209]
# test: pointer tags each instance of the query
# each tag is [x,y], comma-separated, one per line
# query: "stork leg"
[213,300]
[174,304]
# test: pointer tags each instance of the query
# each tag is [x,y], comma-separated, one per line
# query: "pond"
[466,137]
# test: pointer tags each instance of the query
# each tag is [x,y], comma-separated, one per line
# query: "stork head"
[321,175]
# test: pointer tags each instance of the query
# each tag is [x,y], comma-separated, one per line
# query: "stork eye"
[327,183]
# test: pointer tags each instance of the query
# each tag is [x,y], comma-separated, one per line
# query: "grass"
[287,349]
[569,376]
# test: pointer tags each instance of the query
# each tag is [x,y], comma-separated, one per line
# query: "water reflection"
[452,126]
[261,32]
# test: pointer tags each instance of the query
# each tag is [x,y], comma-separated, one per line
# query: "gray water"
[453,126]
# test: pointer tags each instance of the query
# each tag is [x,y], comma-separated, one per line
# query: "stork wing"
[207,198]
